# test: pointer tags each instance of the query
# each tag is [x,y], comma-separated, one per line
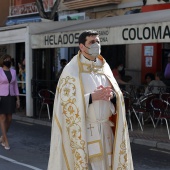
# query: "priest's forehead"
[92,39]
[83,37]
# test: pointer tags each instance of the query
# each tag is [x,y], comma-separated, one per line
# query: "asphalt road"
[148,158]
[30,144]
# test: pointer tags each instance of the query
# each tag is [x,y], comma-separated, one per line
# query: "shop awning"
[128,29]
[18,33]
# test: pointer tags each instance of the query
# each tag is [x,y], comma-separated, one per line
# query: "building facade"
[16,19]
[100,9]
[21,20]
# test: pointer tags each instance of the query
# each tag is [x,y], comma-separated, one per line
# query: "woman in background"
[9,97]
[116,73]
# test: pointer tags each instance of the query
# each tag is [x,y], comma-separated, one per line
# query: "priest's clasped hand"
[103,93]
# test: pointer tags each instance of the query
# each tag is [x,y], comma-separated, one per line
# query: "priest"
[82,137]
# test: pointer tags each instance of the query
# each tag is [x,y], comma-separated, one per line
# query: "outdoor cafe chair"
[143,108]
[46,98]
[168,101]
[129,109]
[165,96]
[160,112]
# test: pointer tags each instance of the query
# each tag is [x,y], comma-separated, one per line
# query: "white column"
[28,65]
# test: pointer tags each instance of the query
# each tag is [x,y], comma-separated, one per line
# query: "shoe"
[7,148]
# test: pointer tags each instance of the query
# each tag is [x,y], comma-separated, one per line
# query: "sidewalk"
[159,140]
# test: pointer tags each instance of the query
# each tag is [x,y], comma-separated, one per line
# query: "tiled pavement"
[158,140]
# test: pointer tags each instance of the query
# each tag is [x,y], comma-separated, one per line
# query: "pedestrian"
[82,137]
[9,97]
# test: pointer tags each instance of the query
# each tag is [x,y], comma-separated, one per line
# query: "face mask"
[7,64]
[94,50]
[120,68]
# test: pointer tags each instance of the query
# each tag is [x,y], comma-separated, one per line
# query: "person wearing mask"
[9,97]
[116,73]
[82,136]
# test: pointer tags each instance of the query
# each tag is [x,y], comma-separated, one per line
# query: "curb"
[31,120]
[145,142]
[151,143]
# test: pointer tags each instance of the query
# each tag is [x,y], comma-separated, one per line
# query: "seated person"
[117,75]
[149,77]
[156,86]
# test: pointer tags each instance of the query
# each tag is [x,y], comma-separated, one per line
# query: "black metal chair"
[160,112]
[165,96]
[46,98]
[143,107]
[129,109]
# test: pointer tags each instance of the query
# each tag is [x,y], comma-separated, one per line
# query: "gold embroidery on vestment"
[64,152]
[100,145]
[70,110]
[90,128]
[88,68]
[123,162]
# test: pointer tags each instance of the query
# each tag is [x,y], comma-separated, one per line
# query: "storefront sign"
[153,32]
[144,33]
[67,39]
[61,39]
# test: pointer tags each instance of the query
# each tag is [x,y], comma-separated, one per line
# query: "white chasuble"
[99,132]
[81,137]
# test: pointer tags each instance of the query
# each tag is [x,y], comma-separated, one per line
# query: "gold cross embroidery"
[90,129]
